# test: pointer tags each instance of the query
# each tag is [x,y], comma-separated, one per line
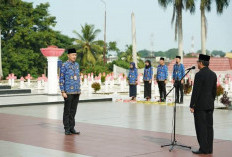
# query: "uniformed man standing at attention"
[178,73]
[202,104]
[70,90]
[161,77]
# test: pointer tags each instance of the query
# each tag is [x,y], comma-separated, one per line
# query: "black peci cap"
[178,57]
[72,51]
[203,57]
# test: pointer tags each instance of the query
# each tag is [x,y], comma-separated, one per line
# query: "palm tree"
[178,6]
[89,49]
[206,6]
[127,56]
[221,4]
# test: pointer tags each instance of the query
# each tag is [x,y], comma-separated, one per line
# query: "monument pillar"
[134,52]
[52,53]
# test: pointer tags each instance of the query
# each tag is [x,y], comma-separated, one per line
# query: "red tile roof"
[216,64]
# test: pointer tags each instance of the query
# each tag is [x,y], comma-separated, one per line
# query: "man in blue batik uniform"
[70,89]
[178,73]
[161,77]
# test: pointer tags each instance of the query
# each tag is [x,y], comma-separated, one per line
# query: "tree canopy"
[25,30]
[171,53]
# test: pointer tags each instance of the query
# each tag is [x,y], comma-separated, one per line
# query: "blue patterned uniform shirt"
[178,72]
[162,73]
[70,78]
[148,74]
[132,76]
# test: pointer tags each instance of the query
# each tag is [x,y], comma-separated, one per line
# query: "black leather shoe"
[162,100]
[67,132]
[198,152]
[73,131]
[181,102]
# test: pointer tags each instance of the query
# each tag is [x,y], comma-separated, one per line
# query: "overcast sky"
[153,23]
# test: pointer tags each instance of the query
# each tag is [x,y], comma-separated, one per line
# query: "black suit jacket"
[204,90]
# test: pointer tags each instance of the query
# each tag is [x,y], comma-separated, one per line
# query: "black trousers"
[162,90]
[70,108]
[147,89]
[204,130]
[179,91]
[133,90]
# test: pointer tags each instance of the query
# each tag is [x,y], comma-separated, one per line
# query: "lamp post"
[104,51]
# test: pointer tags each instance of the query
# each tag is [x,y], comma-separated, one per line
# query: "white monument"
[134,39]
[52,53]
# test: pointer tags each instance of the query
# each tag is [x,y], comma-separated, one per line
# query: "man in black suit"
[202,104]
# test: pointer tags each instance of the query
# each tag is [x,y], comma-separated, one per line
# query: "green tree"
[145,53]
[178,6]
[4,2]
[218,53]
[99,67]
[207,52]
[171,53]
[127,57]
[120,63]
[88,48]
[206,6]
[112,46]
[24,31]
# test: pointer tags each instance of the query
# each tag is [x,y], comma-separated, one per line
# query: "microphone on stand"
[193,67]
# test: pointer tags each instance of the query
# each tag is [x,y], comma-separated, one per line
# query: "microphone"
[193,67]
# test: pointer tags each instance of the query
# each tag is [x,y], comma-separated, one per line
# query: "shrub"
[96,86]
[220,90]
[122,64]
[103,79]
[187,87]
[96,69]
[225,100]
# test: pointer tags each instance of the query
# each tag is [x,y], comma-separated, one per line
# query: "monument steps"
[5,87]
[14,91]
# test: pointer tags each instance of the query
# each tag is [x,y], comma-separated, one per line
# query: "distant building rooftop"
[111,58]
[229,55]
[216,63]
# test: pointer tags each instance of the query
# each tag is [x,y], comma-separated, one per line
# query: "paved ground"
[107,129]
[39,99]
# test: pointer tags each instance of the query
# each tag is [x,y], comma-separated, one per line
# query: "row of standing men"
[70,85]
[161,78]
